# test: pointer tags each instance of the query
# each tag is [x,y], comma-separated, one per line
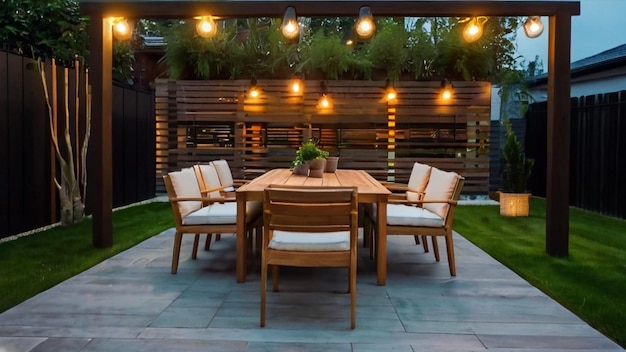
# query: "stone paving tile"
[131,302]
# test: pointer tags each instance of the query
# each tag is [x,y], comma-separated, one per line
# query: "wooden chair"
[309,227]
[431,216]
[225,175]
[210,186]
[195,214]
[412,192]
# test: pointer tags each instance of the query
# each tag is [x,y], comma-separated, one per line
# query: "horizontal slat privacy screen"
[199,121]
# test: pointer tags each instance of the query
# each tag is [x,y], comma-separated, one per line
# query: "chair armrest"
[401,197]
[213,189]
[395,187]
[447,201]
[205,200]
[229,196]
[420,203]
[240,182]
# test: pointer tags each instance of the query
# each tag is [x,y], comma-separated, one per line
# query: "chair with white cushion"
[431,216]
[309,227]
[195,214]
[225,175]
[210,186]
[412,192]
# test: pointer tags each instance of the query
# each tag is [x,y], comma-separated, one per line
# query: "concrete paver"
[131,302]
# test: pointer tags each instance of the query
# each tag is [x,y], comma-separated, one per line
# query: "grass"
[34,263]
[591,281]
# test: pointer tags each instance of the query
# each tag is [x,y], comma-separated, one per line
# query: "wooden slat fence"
[198,121]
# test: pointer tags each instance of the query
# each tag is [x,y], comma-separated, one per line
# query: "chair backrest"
[183,184]
[443,185]
[224,173]
[208,179]
[311,209]
[418,182]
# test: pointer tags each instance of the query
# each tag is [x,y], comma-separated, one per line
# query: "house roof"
[605,60]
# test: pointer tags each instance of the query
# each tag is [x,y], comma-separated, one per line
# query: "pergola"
[559,42]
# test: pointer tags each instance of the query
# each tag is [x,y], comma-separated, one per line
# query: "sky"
[601,25]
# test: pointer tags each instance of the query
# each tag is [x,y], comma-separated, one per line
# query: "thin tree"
[72,163]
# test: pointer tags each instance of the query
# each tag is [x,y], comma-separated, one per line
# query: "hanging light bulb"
[365,26]
[446,89]
[290,27]
[296,86]
[121,29]
[474,29]
[254,91]
[325,102]
[205,27]
[533,27]
[391,92]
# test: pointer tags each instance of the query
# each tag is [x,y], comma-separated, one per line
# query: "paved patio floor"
[132,303]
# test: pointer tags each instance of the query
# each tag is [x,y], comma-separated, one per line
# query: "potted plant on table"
[309,160]
[514,198]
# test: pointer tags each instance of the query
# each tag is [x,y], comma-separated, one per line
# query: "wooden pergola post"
[557,182]
[101,159]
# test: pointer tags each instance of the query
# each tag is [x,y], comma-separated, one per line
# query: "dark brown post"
[557,187]
[100,173]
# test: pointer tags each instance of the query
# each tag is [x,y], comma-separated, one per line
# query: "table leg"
[381,241]
[242,250]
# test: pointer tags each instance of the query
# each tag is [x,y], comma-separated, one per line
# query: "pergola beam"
[326,8]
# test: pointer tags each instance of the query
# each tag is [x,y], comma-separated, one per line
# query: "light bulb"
[206,27]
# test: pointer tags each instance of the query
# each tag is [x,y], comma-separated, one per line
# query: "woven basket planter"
[514,204]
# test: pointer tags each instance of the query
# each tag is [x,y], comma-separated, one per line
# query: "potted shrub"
[309,158]
[514,198]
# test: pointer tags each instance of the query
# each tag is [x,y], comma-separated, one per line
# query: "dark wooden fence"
[598,152]
[28,197]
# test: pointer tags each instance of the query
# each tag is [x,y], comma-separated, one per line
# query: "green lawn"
[34,263]
[591,281]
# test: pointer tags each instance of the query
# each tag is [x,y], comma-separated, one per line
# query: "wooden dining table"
[369,191]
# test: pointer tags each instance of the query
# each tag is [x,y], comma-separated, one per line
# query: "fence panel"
[199,121]
[597,152]
[28,197]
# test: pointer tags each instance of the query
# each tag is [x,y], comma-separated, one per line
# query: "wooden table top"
[368,187]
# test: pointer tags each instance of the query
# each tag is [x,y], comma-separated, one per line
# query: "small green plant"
[517,167]
[308,151]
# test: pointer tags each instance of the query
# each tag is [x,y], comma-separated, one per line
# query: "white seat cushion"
[185,185]
[222,214]
[309,241]
[407,215]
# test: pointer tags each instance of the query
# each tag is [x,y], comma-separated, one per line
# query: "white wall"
[609,81]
